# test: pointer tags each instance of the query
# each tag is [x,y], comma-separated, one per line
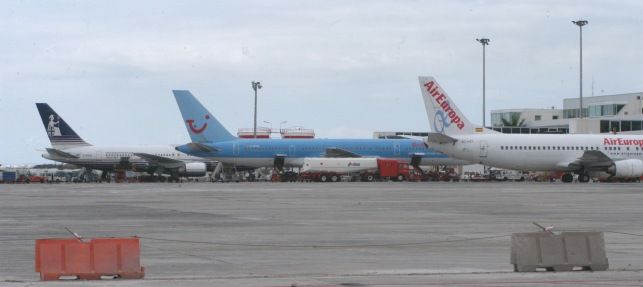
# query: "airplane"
[210,139]
[588,155]
[68,147]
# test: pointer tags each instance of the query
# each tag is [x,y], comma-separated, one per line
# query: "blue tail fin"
[201,125]
[61,135]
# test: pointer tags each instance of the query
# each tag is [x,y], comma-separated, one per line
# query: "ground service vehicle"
[506,174]
[8,177]
[364,169]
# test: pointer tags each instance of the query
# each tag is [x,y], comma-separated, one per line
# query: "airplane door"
[291,151]
[484,147]
[235,149]
[396,149]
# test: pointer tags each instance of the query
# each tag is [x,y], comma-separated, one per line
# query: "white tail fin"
[444,115]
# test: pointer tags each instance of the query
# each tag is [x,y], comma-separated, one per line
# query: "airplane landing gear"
[104,176]
[583,177]
[568,177]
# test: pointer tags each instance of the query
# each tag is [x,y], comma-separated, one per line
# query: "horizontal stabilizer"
[60,154]
[199,147]
[440,138]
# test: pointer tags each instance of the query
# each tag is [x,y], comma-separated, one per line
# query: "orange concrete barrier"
[118,257]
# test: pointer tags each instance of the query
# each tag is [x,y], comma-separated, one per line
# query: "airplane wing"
[60,153]
[338,152]
[592,159]
[160,160]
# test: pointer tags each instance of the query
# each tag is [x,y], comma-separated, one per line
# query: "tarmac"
[324,234]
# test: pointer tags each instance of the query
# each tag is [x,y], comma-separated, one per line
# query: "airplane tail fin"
[444,115]
[61,135]
[200,123]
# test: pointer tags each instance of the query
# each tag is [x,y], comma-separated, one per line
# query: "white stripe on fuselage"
[539,152]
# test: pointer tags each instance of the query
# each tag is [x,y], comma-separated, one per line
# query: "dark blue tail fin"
[60,133]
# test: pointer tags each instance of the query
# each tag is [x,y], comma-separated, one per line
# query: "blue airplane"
[211,140]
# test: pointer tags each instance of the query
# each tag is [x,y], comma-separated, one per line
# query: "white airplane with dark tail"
[588,155]
[68,147]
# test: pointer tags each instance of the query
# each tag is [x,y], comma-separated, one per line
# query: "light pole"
[255,86]
[267,122]
[484,42]
[580,24]
[281,123]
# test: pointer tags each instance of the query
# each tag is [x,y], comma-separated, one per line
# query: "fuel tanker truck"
[356,169]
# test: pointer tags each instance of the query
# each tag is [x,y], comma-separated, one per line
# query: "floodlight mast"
[255,86]
[580,24]
[484,42]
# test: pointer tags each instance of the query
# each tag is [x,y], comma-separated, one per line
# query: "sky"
[343,68]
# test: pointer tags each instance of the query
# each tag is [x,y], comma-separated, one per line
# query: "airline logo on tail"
[447,115]
[53,127]
[60,134]
[196,130]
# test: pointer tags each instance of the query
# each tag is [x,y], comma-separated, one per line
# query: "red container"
[119,257]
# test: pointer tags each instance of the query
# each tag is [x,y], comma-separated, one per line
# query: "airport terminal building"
[620,113]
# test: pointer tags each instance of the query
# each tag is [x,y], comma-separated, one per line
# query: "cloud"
[109,66]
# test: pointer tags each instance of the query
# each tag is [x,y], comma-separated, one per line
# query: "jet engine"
[194,169]
[626,168]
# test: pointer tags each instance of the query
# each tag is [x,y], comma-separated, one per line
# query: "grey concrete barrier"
[566,251]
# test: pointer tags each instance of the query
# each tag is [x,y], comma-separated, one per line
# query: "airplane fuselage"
[539,152]
[262,152]
[113,157]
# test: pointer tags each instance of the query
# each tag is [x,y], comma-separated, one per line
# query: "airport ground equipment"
[567,251]
[364,169]
[8,177]
[88,260]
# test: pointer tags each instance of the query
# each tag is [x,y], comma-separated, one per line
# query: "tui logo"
[199,129]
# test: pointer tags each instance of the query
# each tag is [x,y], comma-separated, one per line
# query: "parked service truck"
[7,176]
[364,169]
